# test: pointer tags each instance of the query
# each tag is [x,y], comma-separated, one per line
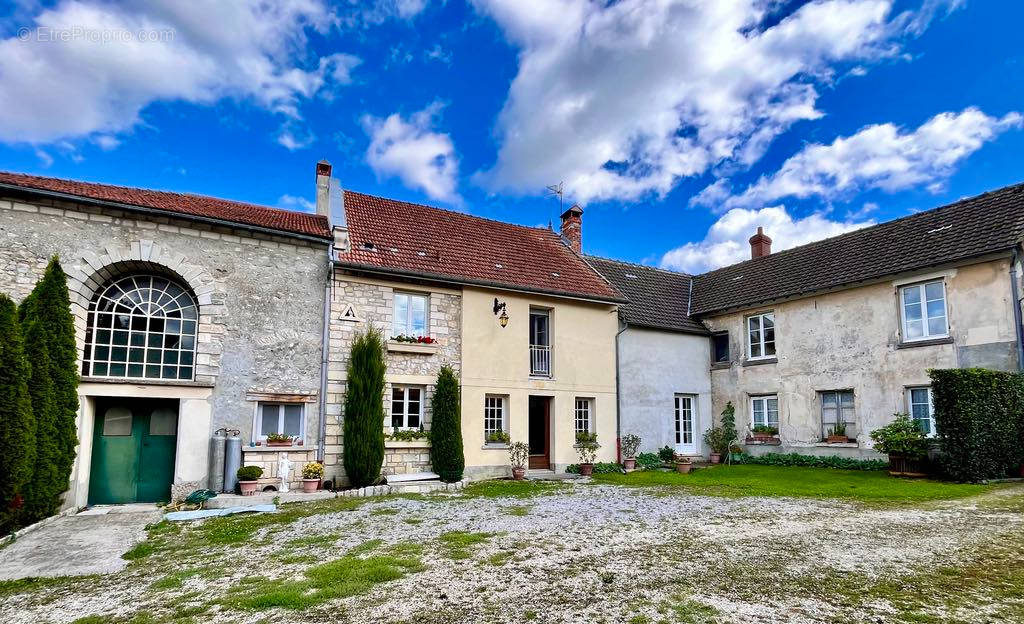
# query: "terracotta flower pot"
[248,487]
[630,463]
[837,439]
[716,458]
[683,468]
[519,474]
[279,443]
[310,485]
[586,469]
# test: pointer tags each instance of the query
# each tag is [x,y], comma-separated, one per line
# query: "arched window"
[141,326]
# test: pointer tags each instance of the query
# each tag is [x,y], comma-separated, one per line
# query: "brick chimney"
[323,182]
[572,227]
[760,244]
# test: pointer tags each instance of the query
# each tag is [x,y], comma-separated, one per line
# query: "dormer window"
[761,336]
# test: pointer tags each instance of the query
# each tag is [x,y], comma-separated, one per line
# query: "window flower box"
[395,346]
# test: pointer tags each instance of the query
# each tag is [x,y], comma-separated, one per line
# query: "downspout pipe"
[321,446]
[1015,289]
[623,326]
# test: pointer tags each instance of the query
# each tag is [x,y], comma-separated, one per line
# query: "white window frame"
[679,432]
[257,427]
[840,410]
[767,420]
[404,327]
[761,342]
[922,304]
[488,406]
[405,388]
[931,407]
[583,411]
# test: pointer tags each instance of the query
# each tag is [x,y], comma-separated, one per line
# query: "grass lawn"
[860,485]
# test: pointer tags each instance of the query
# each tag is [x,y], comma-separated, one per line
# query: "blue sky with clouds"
[680,126]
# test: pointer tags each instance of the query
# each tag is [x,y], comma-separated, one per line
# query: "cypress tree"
[364,410]
[17,426]
[42,496]
[446,452]
[49,305]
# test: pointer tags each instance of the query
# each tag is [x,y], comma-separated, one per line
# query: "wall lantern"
[500,306]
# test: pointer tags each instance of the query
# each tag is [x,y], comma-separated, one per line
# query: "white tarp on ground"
[209,513]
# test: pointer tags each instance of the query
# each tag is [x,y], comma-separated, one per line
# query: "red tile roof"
[420,240]
[185,204]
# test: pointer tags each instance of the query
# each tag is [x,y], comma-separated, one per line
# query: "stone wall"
[356,303]
[401,457]
[268,457]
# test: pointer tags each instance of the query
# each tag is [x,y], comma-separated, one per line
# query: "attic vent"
[498,266]
[939,229]
[394,250]
[556,275]
[631,276]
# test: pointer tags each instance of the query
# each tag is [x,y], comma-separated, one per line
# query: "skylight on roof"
[631,276]
[498,266]
[553,274]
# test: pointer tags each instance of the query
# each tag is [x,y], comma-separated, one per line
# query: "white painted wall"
[654,366]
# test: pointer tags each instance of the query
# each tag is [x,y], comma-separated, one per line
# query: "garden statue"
[284,467]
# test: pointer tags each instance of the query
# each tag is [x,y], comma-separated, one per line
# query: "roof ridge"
[863,230]
[640,266]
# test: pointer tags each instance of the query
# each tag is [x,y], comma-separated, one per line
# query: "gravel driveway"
[590,553]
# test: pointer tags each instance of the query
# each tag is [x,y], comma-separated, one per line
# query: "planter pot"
[310,485]
[519,474]
[735,456]
[683,468]
[279,443]
[836,439]
[248,487]
[630,463]
[764,437]
[586,469]
[900,466]
[716,458]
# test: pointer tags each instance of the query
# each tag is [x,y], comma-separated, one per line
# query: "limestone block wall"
[402,457]
[268,458]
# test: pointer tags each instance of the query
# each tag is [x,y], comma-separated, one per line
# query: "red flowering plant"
[414,339]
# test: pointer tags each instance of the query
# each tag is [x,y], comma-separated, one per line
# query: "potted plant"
[666,455]
[279,439]
[905,444]
[518,455]
[718,440]
[311,475]
[630,445]
[683,464]
[735,453]
[764,433]
[586,448]
[248,476]
[837,434]
[497,437]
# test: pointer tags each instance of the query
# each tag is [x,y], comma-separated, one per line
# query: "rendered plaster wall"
[654,367]
[850,340]
[496,361]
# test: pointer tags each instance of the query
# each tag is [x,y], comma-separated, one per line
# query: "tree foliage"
[447,455]
[364,410]
[42,496]
[17,424]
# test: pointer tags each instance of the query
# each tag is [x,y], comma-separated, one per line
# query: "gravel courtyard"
[575,552]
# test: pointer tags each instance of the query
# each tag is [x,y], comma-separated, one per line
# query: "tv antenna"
[555,190]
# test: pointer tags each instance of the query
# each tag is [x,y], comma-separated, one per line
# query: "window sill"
[142,381]
[412,347]
[721,365]
[837,444]
[925,343]
[541,377]
[763,441]
[277,449]
[760,361]
[495,447]
[421,443]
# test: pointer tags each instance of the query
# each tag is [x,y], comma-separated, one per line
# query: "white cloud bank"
[408,148]
[87,67]
[622,99]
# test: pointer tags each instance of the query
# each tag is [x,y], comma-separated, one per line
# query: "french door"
[684,424]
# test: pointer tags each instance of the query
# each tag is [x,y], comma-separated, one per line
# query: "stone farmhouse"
[196,315]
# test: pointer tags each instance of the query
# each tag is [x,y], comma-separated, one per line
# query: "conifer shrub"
[446,451]
[42,495]
[364,410]
[17,423]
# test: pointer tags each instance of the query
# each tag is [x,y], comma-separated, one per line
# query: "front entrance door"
[540,432]
[684,423]
[133,450]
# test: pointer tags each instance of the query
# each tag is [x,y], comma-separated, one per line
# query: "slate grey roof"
[658,298]
[978,226]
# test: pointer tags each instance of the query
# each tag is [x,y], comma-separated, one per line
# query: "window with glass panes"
[836,407]
[761,335]
[684,419]
[141,326]
[765,411]
[583,413]
[919,404]
[410,315]
[406,407]
[281,418]
[924,311]
[494,414]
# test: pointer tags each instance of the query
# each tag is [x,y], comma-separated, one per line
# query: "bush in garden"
[811,461]
[648,461]
[599,468]
[364,410]
[901,438]
[667,454]
[17,423]
[446,452]
[979,422]
[42,495]
[630,445]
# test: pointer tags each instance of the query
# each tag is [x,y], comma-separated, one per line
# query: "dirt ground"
[572,553]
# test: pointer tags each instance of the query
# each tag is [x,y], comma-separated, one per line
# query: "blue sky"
[680,127]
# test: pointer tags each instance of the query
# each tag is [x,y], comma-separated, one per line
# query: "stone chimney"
[760,244]
[323,182]
[572,227]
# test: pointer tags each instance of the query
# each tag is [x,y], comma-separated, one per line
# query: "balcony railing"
[540,360]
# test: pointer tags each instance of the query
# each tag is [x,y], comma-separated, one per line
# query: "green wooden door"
[133,451]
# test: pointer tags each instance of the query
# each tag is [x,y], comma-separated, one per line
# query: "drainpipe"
[321,446]
[618,395]
[1016,308]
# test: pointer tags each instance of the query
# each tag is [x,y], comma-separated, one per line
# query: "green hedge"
[599,468]
[812,461]
[979,422]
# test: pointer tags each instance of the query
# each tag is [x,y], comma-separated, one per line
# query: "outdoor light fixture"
[503,319]
[500,305]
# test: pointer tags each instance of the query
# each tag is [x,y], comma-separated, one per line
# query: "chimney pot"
[760,244]
[323,182]
[572,227]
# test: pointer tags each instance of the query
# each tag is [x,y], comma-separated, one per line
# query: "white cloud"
[45,160]
[293,137]
[621,99]
[106,142]
[412,151]
[727,241]
[882,156]
[88,67]
[437,53]
[293,202]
